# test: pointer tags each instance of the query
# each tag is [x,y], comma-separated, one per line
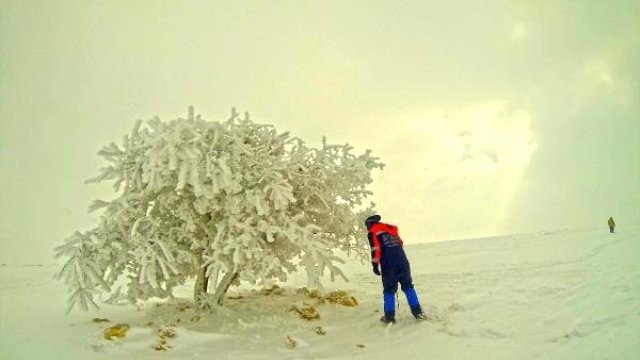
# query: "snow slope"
[571,294]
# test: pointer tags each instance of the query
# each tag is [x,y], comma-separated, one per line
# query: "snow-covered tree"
[219,202]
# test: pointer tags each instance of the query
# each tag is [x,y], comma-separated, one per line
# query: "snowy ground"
[557,295]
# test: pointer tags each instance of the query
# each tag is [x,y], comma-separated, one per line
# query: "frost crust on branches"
[221,202]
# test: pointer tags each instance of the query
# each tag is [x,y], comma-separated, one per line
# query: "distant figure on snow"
[389,260]
[612,224]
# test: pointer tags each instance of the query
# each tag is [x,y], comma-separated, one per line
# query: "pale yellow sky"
[492,116]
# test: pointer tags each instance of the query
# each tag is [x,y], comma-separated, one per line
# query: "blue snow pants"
[395,269]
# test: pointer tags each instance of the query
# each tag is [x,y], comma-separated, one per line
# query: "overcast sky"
[493,117]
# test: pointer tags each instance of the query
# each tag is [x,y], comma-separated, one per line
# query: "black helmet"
[371,220]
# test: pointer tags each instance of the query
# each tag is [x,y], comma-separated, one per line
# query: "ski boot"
[389,317]
[417,313]
[421,317]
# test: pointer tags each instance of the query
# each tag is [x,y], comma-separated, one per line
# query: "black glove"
[376,268]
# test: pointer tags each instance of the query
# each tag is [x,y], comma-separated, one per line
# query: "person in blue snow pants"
[390,261]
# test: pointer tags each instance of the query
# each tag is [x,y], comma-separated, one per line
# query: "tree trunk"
[202,280]
[224,285]
[202,284]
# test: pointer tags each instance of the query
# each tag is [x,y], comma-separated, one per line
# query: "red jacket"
[379,242]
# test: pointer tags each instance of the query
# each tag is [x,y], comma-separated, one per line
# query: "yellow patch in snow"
[119,330]
[341,298]
[306,312]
